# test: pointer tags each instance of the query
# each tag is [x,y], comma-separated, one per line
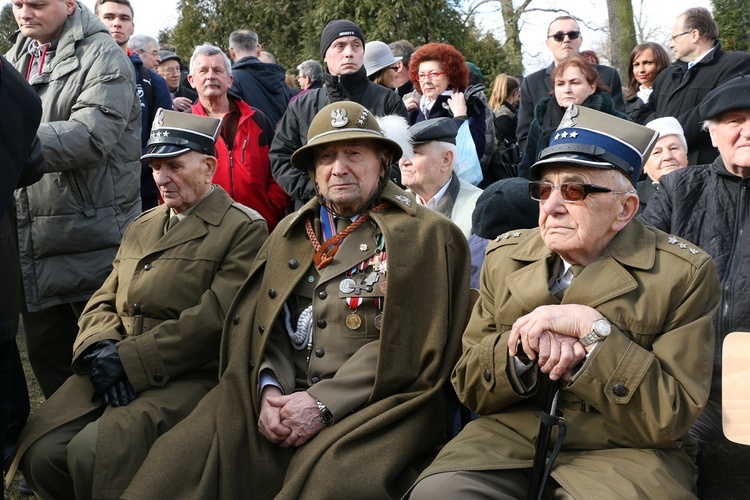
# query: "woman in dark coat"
[575,82]
[646,61]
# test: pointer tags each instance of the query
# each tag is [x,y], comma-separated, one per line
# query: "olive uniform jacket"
[164,303]
[635,396]
[217,452]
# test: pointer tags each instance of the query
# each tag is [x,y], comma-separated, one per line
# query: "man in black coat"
[563,40]
[342,48]
[700,66]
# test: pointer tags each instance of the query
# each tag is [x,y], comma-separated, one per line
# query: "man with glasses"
[170,69]
[563,40]
[700,66]
[147,48]
[617,313]
[309,77]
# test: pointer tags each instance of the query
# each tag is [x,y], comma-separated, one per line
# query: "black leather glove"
[107,375]
[473,102]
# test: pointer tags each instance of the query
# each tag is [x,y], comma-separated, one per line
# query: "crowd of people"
[365,278]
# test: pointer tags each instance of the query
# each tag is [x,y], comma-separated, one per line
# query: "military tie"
[564,281]
[172,222]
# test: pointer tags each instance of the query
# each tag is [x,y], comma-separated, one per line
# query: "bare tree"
[622,33]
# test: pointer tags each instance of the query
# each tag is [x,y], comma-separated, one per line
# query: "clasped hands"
[291,420]
[108,377]
[551,334]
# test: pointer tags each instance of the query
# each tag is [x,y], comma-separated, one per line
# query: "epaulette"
[510,238]
[146,212]
[252,214]
[680,247]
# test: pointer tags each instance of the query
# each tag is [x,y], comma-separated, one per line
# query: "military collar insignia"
[362,117]
[403,199]
[339,118]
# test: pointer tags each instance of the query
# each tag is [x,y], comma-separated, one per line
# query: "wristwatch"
[325,414]
[599,331]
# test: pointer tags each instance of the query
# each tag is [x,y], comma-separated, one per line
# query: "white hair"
[209,50]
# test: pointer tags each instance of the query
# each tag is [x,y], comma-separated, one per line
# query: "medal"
[353,321]
[347,285]
[378,321]
[382,287]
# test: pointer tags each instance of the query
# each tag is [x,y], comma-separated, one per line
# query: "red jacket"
[244,171]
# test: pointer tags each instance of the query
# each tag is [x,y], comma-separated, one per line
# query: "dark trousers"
[14,397]
[50,335]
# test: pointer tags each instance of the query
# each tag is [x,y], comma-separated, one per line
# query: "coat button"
[252,365]
[158,377]
[319,352]
[147,267]
[272,293]
[315,380]
[293,264]
[322,294]
[261,328]
[620,390]
[322,323]
[235,319]
[136,309]
[487,376]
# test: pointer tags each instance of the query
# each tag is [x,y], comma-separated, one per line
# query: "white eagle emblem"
[339,117]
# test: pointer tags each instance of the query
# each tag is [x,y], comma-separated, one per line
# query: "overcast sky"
[659,15]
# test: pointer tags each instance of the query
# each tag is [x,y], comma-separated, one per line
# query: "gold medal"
[353,321]
[378,321]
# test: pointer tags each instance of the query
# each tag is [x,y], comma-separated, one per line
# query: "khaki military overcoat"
[375,452]
[636,395]
[164,302]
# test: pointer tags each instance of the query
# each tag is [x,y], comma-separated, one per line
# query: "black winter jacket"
[709,206]
[291,134]
[262,86]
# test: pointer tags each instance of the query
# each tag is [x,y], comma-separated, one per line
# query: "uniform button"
[158,377]
[261,328]
[293,264]
[322,323]
[315,380]
[147,267]
[272,293]
[487,376]
[620,390]
[136,309]
[322,294]
[235,319]
[320,352]
[252,365]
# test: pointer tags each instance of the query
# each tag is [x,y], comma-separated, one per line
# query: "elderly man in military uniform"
[429,172]
[617,313]
[339,343]
[148,346]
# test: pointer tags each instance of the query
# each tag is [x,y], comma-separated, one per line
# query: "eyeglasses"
[678,35]
[570,191]
[560,36]
[432,75]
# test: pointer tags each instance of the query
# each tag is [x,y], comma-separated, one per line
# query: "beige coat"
[374,452]
[182,283]
[634,398]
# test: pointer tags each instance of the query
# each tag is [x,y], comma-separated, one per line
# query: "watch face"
[602,327]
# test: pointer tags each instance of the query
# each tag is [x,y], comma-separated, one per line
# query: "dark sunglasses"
[560,36]
[570,191]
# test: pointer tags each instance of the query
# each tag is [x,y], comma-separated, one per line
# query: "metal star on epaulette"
[683,246]
[498,237]
[672,240]
[505,236]
[516,234]
[403,199]
[694,251]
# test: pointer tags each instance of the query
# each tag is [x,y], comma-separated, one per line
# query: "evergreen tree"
[8,26]
[733,18]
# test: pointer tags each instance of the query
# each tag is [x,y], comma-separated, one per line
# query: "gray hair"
[243,40]
[311,69]
[209,50]
[140,42]
[403,49]
[441,147]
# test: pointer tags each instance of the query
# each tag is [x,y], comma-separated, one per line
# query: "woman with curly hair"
[646,61]
[574,81]
[440,75]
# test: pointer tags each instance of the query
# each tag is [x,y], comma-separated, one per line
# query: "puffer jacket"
[70,223]
[709,206]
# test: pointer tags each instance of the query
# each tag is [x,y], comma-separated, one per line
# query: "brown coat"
[183,282]
[218,453]
[636,395]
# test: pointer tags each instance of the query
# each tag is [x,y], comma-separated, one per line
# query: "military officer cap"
[342,121]
[593,139]
[734,94]
[174,134]
[434,129]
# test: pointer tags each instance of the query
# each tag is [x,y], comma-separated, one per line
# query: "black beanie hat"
[505,205]
[337,29]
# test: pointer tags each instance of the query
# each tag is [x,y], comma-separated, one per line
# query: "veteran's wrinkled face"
[730,133]
[345,55]
[183,180]
[150,56]
[668,155]
[348,173]
[42,20]
[580,231]
[170,71]
[428,170]
[118,19]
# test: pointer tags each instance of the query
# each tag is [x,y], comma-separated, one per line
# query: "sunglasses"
[570,191]
[560,36]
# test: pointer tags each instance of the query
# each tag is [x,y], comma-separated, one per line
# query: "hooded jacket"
[70,223]
[263,86]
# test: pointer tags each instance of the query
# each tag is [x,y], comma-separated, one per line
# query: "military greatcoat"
[384,386]
[634,397]
[164,303]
